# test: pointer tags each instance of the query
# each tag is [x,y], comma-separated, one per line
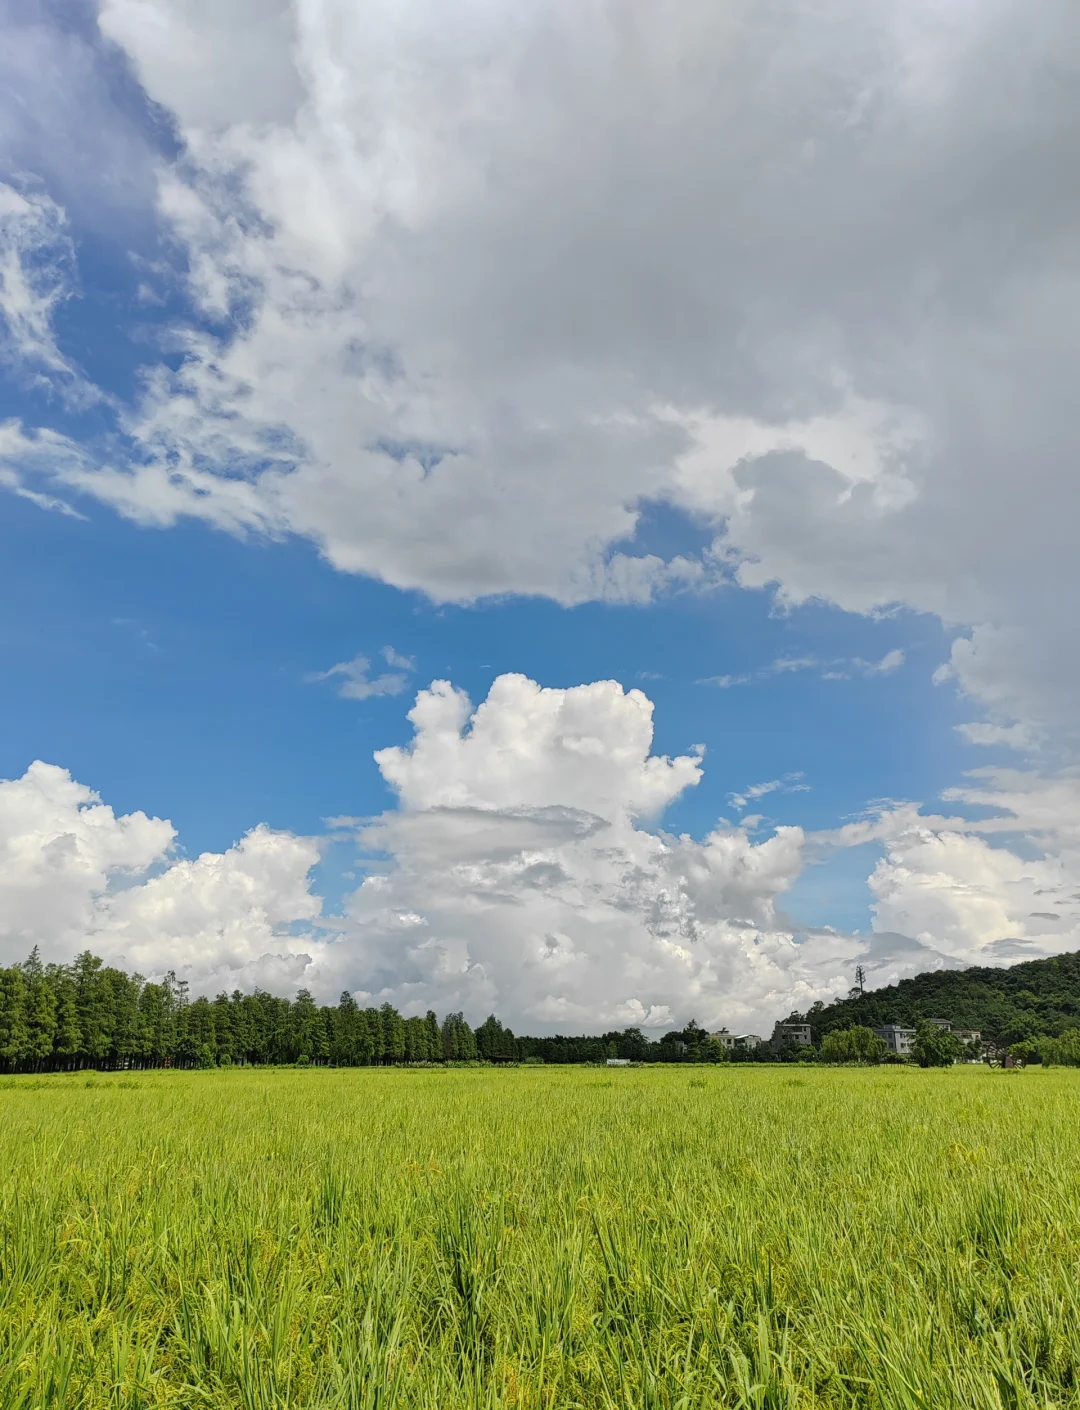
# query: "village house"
[896,1039]
[798,1033]
[966,1035]
[735,1040]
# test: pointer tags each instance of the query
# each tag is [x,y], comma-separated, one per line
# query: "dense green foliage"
[1063,1051]
[1006,1006]
[935,1047]
[444,1239]
[853,1044]
[87,1014]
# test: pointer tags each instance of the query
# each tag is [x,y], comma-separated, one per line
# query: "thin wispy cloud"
[725,682]
[837,669]
[355,681]
[395,659]
[789,783]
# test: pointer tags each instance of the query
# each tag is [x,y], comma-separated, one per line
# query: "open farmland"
[658,1237]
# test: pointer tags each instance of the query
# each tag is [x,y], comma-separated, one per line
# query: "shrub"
[935,1047]
[857,1044]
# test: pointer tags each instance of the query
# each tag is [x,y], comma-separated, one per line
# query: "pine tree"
[14,1025]
[41,1020]
[434,1036]
[324,1035]
[458,1039]
[157,1029]
[417,1041]
[67,1044]
[393,1034]
[371,1036]
[345,1044]
[121,998]
[226,1049]
[495,1043]
[304,1018]
[91,1000]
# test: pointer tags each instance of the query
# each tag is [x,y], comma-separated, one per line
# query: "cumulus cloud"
[527,746]
[955,890]
[222,916]
[524,871]
[59,847]
[494,278]
[74,875]
[523,879]
[997,879]
[517,873]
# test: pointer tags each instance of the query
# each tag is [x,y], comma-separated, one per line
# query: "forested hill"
[1035,997]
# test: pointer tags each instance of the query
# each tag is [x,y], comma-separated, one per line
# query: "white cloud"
[356,681]
[1015,736]
[41,455]
[500,275]
[74,875]
[997,880]
[519,846]
[891,661]
[790,783]
[541,897]
[36,261]
[517,875]
[395,658]
[225,917]
[59,846]
[834,669]
[725,682]
[526,746]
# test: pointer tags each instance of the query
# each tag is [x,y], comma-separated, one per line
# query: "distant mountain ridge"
[1006,1005]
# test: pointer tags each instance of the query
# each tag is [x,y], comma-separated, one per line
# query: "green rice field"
[631,1239]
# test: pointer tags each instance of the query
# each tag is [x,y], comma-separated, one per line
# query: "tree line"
[87,1014]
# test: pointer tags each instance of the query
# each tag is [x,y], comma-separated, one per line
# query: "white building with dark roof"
[896,1038]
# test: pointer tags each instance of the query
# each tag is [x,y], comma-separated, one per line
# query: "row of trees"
[88,1014]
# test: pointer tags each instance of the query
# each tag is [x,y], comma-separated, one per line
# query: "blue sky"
[171,671]
[342,355]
